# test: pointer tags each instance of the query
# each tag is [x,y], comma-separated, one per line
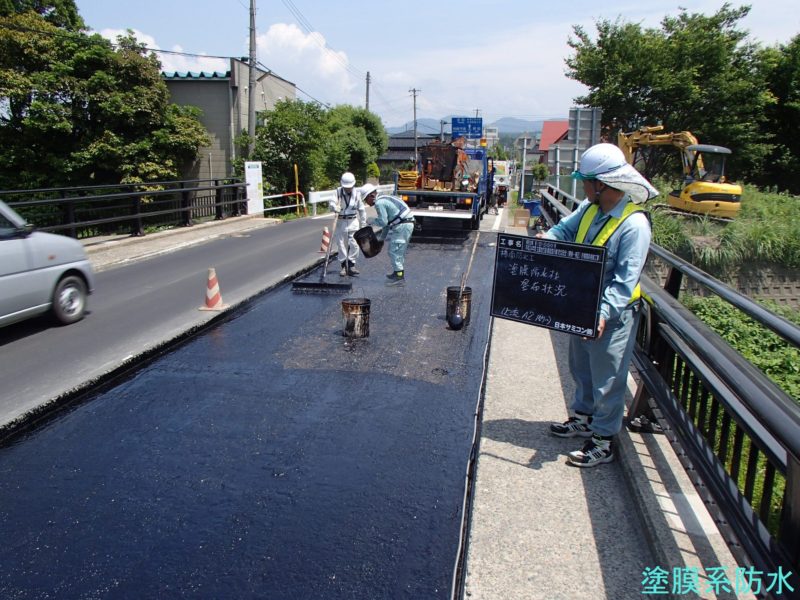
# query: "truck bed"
[441,204]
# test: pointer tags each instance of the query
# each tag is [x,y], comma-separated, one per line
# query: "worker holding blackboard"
[610,217]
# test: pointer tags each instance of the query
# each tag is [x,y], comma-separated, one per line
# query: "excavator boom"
[705,190]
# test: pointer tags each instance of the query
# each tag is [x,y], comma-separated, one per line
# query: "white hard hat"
[367,189]
[599,159]
[606,163]
[348,180]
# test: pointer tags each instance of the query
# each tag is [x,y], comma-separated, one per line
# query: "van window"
[7,228]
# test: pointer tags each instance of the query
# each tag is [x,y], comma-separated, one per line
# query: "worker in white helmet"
[610,216]
[352,215]
[396,225]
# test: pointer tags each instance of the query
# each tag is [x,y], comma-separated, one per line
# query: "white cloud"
[306,60]
[172,62]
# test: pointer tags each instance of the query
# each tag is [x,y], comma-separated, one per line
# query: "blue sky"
[501,58]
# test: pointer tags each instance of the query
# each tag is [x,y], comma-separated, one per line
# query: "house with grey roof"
[223,96]
[400,152]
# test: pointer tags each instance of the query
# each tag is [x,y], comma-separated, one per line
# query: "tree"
[783,73]
[293,133]
[60,13]
[75,110]
[357,138]
[697,73]
[540,172]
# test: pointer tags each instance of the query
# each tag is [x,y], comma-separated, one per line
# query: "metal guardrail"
[327,196]
[93,211]
[739,432]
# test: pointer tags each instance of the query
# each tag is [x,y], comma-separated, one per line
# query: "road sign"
[548,283]
[470,128]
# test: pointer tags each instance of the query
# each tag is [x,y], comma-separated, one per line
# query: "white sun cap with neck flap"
[606,163]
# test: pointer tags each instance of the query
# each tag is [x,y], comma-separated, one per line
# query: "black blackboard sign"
[548,283]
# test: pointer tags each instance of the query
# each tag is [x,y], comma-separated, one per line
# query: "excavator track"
[671,210]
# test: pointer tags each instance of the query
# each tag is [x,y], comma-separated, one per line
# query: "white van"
[40,272]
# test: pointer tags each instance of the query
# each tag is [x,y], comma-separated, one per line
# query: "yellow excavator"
[705,190]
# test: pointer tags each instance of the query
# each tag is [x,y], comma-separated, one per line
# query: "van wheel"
[69,299]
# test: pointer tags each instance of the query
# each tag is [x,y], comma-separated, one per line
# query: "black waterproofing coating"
[269,457]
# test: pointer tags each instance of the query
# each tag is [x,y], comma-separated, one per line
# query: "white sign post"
[255,188]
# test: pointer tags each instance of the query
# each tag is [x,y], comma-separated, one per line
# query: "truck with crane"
[705,190]
[452,181]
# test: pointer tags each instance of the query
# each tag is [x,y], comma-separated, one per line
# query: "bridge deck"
[537,527]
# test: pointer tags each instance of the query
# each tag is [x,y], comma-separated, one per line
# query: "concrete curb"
[677,524]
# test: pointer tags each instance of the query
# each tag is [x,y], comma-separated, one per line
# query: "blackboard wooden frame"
[548,283]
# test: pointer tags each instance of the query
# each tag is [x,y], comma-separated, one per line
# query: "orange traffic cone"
[213,296]
[326,240]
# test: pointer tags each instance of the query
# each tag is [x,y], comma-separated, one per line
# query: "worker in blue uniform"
[611,217]
[396,226]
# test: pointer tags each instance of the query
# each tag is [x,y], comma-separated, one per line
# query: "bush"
[774,356]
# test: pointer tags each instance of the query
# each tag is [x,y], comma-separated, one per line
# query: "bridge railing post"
[790,520]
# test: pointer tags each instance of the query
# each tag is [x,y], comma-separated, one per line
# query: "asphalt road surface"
[266,457]
[141,305]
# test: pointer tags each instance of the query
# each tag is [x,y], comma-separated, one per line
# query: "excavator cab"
[705,189]
[708,163]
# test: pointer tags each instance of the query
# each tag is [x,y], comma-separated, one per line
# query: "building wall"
[224,102]
[210,96]
[269,90]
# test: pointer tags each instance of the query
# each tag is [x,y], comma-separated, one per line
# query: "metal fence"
[128,209]
[738,431]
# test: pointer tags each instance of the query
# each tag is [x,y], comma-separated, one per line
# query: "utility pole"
[367,91]
[415,91]
[522,176]
[477,110]
[251,97]
[441,130]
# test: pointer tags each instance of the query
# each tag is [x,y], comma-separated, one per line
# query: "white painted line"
[497,219]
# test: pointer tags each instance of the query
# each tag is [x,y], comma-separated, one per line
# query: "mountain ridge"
[505,125]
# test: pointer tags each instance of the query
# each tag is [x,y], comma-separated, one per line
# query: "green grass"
[775,357]
[767,230]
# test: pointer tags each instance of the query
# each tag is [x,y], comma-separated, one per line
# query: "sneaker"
[353,270]
[595,451]
[577,426]
[396,278]
[343,270]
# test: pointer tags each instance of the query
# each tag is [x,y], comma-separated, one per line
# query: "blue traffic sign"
[470,128]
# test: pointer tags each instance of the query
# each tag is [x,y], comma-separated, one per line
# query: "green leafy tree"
[356,139]
[373,170]
[60,13]
[783,73]
[540,172]
[75,110]
[696,72]
[292,134]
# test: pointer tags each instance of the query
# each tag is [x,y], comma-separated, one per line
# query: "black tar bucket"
[355,312]
[368,241]
[452,303]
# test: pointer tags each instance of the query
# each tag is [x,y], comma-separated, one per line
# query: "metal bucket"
[368,241]
[355,312]
[452,302]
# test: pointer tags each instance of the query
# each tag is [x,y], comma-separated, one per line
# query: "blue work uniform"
[600,366]
[397,224]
